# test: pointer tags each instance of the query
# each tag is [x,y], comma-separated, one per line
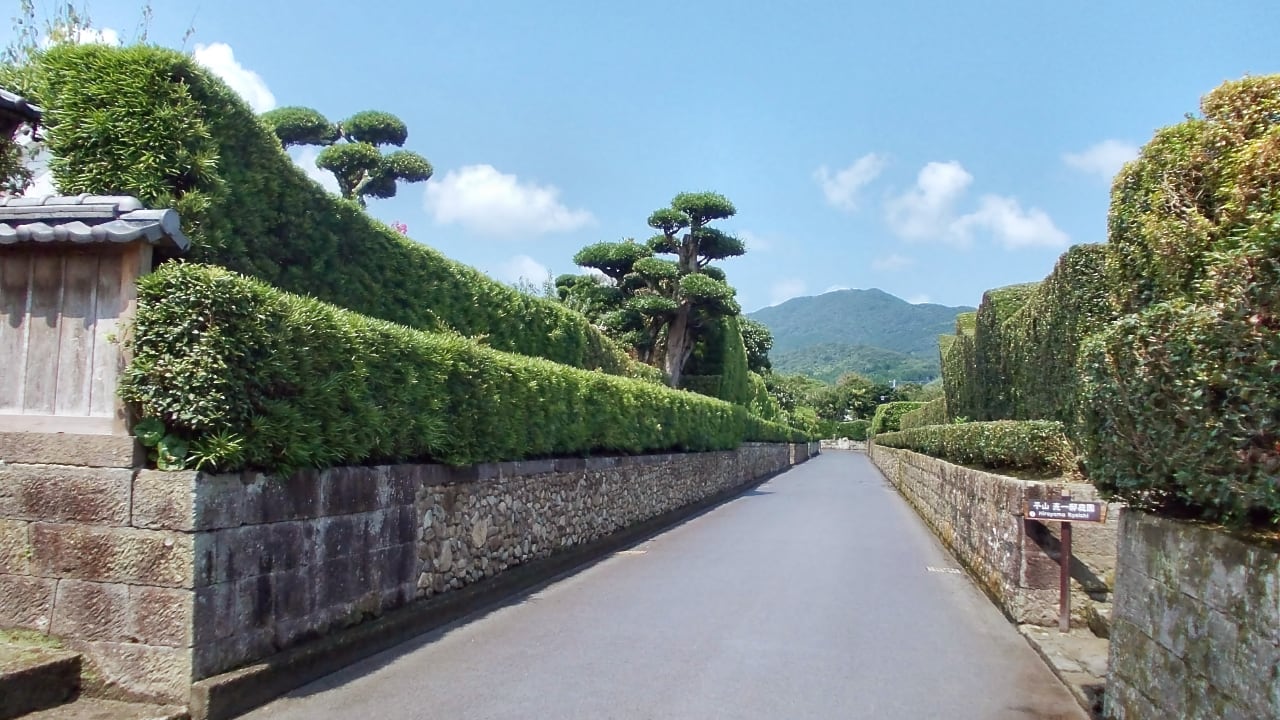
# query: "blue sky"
[930,149]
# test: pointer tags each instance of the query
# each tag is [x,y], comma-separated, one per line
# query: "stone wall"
[1196,628]
[162,578]
[979,517]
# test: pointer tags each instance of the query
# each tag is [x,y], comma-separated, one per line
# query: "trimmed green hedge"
[239,374]
[888,417]
[1034,445]
[1044,337]
[1021,361]
[1180,398]
[853,430]
[1180,404]
[993,366]
[959,369]
[150,122]
[718,365]
[933,412]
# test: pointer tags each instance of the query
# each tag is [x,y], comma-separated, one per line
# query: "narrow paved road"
[809,597]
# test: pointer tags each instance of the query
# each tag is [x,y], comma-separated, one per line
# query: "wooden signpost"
[1066,511]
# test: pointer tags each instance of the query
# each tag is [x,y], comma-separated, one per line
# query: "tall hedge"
[149,122]
[1045,335]
[933,412]
[718,366]
[1180,401]
[1021,361]
[1197,188]
[888,416]
[229,372]
[993,363]
[959,370]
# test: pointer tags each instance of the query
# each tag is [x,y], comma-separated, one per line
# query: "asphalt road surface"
[816,595]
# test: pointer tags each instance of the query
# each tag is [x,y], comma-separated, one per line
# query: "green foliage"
[1191,193]
[852,430]
[350,163]
[888,417]
[614,259]
[1020,361]
[374,127]
[1043,338]
[992,362]
[1032,445]
[300,126]
[239,374]
[760,401]
[709,295]
[1180,403]
[149,122]
[718,366]
[852,396]
[792,391]
[757,340]
[701,208]
[933,412]
[359,166]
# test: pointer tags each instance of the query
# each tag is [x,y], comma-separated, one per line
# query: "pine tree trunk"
[677,345]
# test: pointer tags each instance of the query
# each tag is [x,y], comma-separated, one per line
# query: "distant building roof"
[19,106]
[86,219]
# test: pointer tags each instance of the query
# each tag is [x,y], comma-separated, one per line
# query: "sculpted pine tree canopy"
[353,149]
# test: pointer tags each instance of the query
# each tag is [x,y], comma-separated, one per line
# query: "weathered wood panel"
[15,273]
[61,354]
[78,321]
[106,340]
[41,380]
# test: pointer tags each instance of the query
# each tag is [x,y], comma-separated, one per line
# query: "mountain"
[866,331]
[828,361]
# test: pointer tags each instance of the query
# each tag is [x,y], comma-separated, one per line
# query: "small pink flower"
[400,228]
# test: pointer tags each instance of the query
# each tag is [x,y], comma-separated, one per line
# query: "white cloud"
[836,288]
[892,261]
[918,299]
[85,36]
[841,187]
[784,290]
[1012,226]
[221,61]
[305,158]
[928,211]
[523,268]
[1104,159]
[488,202]
[754,242]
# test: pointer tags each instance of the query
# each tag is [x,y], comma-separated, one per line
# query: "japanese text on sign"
[1067,511]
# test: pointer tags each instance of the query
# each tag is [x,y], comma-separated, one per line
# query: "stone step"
[35,678]
[97,709]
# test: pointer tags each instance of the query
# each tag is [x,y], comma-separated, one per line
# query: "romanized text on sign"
[1067,511]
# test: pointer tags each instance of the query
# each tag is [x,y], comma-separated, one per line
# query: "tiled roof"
[87,219]
[19,106]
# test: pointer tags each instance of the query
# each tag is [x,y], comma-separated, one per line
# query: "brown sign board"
[1090,511]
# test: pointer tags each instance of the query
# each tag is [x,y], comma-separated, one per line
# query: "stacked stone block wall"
[979,516]
[164,578]
[1196,627]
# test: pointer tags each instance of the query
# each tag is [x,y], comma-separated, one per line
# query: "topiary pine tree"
[353,149]
[658,306]
[701,293]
